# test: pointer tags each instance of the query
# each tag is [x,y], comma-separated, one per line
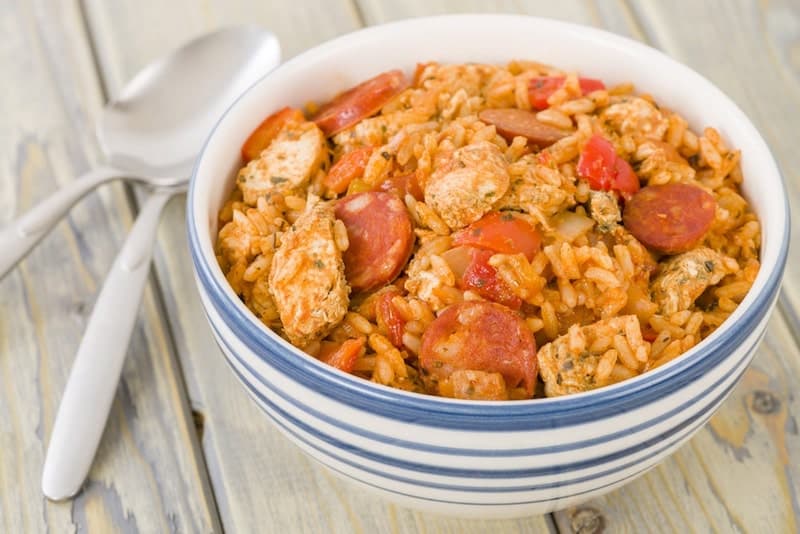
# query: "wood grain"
[740,473]
[147,475]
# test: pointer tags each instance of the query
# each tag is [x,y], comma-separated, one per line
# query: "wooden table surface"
[185,449]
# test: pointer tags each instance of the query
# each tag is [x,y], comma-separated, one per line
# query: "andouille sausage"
[670,218]
[262,136]
[360,102]
[381,238]
[511,123]
[481,336]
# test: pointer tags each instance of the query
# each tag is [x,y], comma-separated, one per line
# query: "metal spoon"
[140,127]
[154,130]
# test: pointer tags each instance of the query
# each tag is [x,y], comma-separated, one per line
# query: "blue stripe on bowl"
[468,473]
[483,503]
[668,438]
[365,433]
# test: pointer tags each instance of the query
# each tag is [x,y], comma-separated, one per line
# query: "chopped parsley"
[278,179]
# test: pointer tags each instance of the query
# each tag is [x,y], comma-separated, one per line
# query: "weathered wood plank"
[147,475]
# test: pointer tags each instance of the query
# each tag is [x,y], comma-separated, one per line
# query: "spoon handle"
[21,234]
[96,370]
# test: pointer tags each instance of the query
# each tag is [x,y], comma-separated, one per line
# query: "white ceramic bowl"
[484,459]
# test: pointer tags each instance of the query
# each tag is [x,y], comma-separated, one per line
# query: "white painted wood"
[147,475]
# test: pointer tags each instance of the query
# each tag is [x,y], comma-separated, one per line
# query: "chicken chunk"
[465,186]
[637,117]
[307,277]
[235,242]
[684,278]
[289,162]
[604,209]
[583,358]
[537,189]
[474,385]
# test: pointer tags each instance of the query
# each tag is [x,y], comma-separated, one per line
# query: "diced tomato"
[625,181]
[360,102]
[403,185]
[390,318]
[349,167]
[540,88]
[268,130]
[648,334]
[483,279]
[589,85]
[501,232]
[604,169]
[343,356]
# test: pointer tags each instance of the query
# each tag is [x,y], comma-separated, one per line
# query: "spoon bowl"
[156,126]
[152,132]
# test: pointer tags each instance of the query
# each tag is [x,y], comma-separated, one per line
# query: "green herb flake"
[709,266]
[319,264]
[278,179]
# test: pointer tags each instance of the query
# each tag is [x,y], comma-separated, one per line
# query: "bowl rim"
[688,367]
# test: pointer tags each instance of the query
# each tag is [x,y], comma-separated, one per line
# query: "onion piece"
[458,259]
[570,225]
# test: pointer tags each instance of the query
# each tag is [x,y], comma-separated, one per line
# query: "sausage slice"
[381,238]
[670,218]
[480,336]
[511,123]
[360,102]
